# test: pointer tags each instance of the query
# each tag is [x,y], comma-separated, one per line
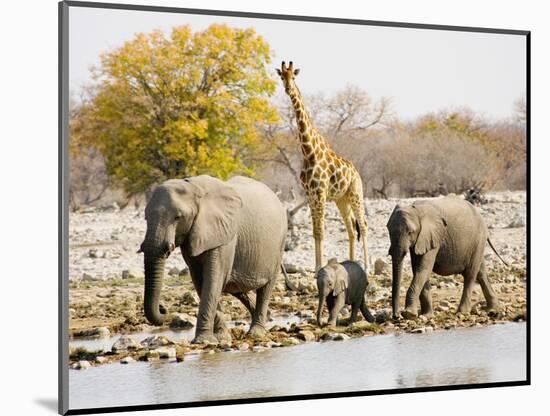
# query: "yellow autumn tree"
[166,106]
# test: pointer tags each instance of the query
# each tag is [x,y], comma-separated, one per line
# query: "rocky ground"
[106,284]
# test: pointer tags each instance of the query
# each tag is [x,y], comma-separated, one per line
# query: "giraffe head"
[288,74]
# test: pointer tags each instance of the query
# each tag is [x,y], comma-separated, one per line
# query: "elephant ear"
[432,226]
[341,283]
[216,222]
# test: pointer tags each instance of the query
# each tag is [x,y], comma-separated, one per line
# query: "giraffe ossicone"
[326,176]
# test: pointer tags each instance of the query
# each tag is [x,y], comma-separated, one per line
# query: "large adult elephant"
[231,235]
[446,236]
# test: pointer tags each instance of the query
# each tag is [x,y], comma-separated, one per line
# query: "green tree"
[166,106]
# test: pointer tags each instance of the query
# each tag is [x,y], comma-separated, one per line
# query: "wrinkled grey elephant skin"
[231,235]
[446,236]
[341,284]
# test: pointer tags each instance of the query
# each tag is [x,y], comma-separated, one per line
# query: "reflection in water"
[462,356]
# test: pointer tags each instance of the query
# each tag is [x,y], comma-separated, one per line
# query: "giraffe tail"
[358,230]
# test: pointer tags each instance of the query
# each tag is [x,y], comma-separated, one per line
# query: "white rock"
[155,341]
[341,337]
[166,352]
[81,365]
[127,360]
[133,273]
[244,346]
[125,343]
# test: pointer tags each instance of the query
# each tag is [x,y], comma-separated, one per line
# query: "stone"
[382,316]
[292,268]
[112,207]
[380,266]
[174,271]
[258,348]
[306,336]
[155,341]
[341,337]
[81,365]
[102,332]
[166,352]
[100,360]
[183,321]
[444,302]
[273,344]
[133,273]
[517,222]
[292,341]
[190,298]
[125,343]
[95,253]
[86,277]
[127,360]
[420,330]
[244,346]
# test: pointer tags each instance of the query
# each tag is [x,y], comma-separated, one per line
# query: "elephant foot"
[464,309]
[257,331]
[428,314]
[208,339]
[493,307]
[409,314]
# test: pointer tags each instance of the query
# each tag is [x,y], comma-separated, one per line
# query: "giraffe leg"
[317,207]
[358,208]
[346,213]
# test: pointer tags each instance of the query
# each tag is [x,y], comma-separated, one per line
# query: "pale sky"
[420,70]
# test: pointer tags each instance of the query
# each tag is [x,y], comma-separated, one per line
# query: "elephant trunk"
[154,273]
[397,270]
[320,309]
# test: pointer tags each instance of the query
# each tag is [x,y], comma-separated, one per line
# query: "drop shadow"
[47,403]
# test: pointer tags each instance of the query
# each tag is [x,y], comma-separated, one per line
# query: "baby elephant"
[342,284]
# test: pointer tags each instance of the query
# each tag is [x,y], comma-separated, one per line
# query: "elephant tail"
[288,284]
[496,252]
[366,313]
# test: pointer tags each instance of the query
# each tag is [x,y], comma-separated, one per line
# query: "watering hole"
[495,353]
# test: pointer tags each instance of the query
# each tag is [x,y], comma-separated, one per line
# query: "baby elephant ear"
[341,283]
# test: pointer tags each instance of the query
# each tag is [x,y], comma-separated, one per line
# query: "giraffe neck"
[309,140]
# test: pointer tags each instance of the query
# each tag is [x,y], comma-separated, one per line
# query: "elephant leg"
[220,328]
[248,300]
[210,293]
[365,312]
[221,332]
[422,268]
[354,311]
[345,212]
[426,308]
[338,304]
[488,292]
[259,318]
[470,277]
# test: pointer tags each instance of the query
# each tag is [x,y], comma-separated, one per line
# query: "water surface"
[463,356]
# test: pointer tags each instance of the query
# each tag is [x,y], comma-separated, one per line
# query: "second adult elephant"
[447,236]
[231,235]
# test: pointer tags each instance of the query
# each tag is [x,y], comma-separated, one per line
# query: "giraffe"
[326,176]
